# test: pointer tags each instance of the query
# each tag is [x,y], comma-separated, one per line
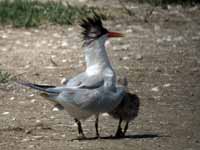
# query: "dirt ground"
[160,58]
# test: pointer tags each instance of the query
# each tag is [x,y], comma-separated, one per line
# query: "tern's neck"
[95,53]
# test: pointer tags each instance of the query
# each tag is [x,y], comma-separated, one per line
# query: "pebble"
[63,81]
[139,57]
[25,140]
[56,35]
[155,89]
[129,31]
[125,58]
[5,113]
[26,45]
[167,85]
[37,137]
[18,42]
[4,36]
[64,44]
[70,29]
[33,100]
[64,60]
[105,114]
[158,69]
[37,121]
[127,68]
[44,42]
[4,49]
[12,98]
[63,136]
[31,95]
[52,117]
[27,33]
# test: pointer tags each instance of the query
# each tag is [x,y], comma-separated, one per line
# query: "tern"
[93,91]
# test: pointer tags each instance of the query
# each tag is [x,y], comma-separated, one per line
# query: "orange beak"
[114,34]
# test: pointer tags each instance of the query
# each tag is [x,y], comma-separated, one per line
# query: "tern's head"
[93,29]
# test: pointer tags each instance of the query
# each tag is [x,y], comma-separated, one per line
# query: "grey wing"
[84,81]
[82,98]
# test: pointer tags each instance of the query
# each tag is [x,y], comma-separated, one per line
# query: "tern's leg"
[119,132]
[97,126]
[126,127]
[80,130]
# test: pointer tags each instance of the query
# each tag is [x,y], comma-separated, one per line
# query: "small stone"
[52,117]
[33,100]
[44,42]
[4,36]
[167,85]
[159,40]
[64,60]
[38,121]
[27,33]
[25,140]
[12,98]
[127,68]
[168,38]
[4,49]
[27,66]
[70,29]
[63,81]
[5,113]
[18,42]
[125,58]
[31,95]
[155,89]
[158,69]
[105,114]
[56,35]
[64,44]
[37,137]
[63,136]
[129,31]
[139,57]
[26,45]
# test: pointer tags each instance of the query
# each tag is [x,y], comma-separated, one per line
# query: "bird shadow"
[135,136]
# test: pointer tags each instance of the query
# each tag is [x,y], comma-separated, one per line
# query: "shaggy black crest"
[92,28]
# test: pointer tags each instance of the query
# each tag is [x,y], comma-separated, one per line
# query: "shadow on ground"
[135,136]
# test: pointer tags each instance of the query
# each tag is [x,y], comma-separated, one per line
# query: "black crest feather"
[92,28]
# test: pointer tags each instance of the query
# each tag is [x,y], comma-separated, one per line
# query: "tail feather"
[44,88]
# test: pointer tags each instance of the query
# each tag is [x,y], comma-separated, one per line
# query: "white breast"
[93,70]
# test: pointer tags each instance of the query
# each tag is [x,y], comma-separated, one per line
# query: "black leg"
[126,127]
[97,126]
[80,130]
[119,132]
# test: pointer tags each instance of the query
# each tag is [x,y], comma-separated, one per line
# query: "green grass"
[4,76]
[27,13]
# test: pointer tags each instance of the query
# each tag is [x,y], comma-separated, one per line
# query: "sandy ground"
[160,58]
